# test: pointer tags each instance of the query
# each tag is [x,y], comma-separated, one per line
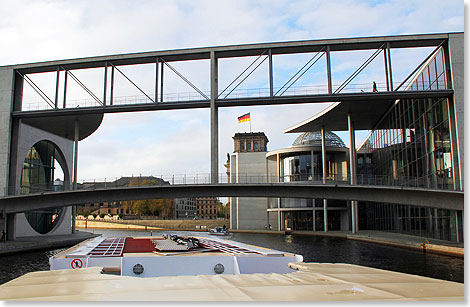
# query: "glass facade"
[411,146]
[303,220]
[434,223]
[307,166]
[37,175]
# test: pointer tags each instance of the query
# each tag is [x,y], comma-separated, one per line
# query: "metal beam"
[341,44]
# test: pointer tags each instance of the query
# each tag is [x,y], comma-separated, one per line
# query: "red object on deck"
[138,246]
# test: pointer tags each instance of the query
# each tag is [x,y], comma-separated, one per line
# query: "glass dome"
[314,139]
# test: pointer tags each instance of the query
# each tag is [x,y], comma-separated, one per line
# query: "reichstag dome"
[314,139]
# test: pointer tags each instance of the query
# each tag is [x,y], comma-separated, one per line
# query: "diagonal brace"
[83,86]
[184,79]
[308,62]
[38,90]
[132,82]
[252,63]
[361,68]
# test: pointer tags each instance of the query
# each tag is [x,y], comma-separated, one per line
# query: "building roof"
[314,139]
[249,134]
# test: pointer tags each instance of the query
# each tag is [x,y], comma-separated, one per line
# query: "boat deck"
[165,256]
[311,282]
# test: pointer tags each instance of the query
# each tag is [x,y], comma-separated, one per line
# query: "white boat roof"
[312,282]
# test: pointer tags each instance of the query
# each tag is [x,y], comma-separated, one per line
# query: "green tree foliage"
[162,208]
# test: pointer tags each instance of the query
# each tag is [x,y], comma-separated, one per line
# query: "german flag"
[244,118]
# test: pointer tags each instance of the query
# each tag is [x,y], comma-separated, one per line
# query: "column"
[156,79]
[271,89]
[352,171]
[389,60]
[105,85]
[454,57]
[75,170]
[56,99]
[214,121]
[313,213]
[386,69]
[323,157]
[10,226]
[328,70]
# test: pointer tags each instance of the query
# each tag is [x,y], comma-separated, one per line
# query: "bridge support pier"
[10,226]
[352,172]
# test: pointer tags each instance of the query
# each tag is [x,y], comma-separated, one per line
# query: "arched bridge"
[453,200]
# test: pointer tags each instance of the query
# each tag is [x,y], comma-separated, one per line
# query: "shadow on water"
[313,249]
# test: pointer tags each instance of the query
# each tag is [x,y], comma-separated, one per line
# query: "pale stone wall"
[249,213]
[456,46]
[6,102]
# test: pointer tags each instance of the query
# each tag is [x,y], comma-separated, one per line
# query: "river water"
[313,249]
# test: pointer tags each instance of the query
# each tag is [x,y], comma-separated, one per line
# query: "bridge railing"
[242,178]
[194,96]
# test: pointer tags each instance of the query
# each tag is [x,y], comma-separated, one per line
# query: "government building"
[413,143]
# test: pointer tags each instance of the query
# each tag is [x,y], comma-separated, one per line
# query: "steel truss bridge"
[75,122]
[88,117]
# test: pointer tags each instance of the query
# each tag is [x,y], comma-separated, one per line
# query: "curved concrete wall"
[28,136]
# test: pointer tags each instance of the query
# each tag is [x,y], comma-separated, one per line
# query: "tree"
[162,208]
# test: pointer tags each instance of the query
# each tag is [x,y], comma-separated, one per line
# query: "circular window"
[42,173]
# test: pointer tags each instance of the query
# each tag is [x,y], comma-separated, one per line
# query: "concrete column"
[456,55]
[105,84]
[389,60]
[323,157]
[278,168]
[156,79]
[214,122]
[11,221]
[56,99]
[65,89]
[386,69]
[161,81]
[75,170]
[352,171]
[328,70]
[352,151]
[323,153]
[313,216]
[271,88]
[312,159]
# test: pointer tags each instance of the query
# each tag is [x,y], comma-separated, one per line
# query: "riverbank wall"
[193,225]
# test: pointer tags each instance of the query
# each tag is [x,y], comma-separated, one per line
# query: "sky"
[178,142]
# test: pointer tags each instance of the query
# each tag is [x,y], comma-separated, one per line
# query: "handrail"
[243,178]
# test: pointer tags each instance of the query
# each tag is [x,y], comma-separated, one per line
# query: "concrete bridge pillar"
[10,226]
[352,171]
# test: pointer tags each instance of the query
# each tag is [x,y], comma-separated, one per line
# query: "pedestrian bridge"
[444,199]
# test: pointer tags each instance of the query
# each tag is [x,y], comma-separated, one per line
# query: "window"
[242,146]
[248,146]
[255,146]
